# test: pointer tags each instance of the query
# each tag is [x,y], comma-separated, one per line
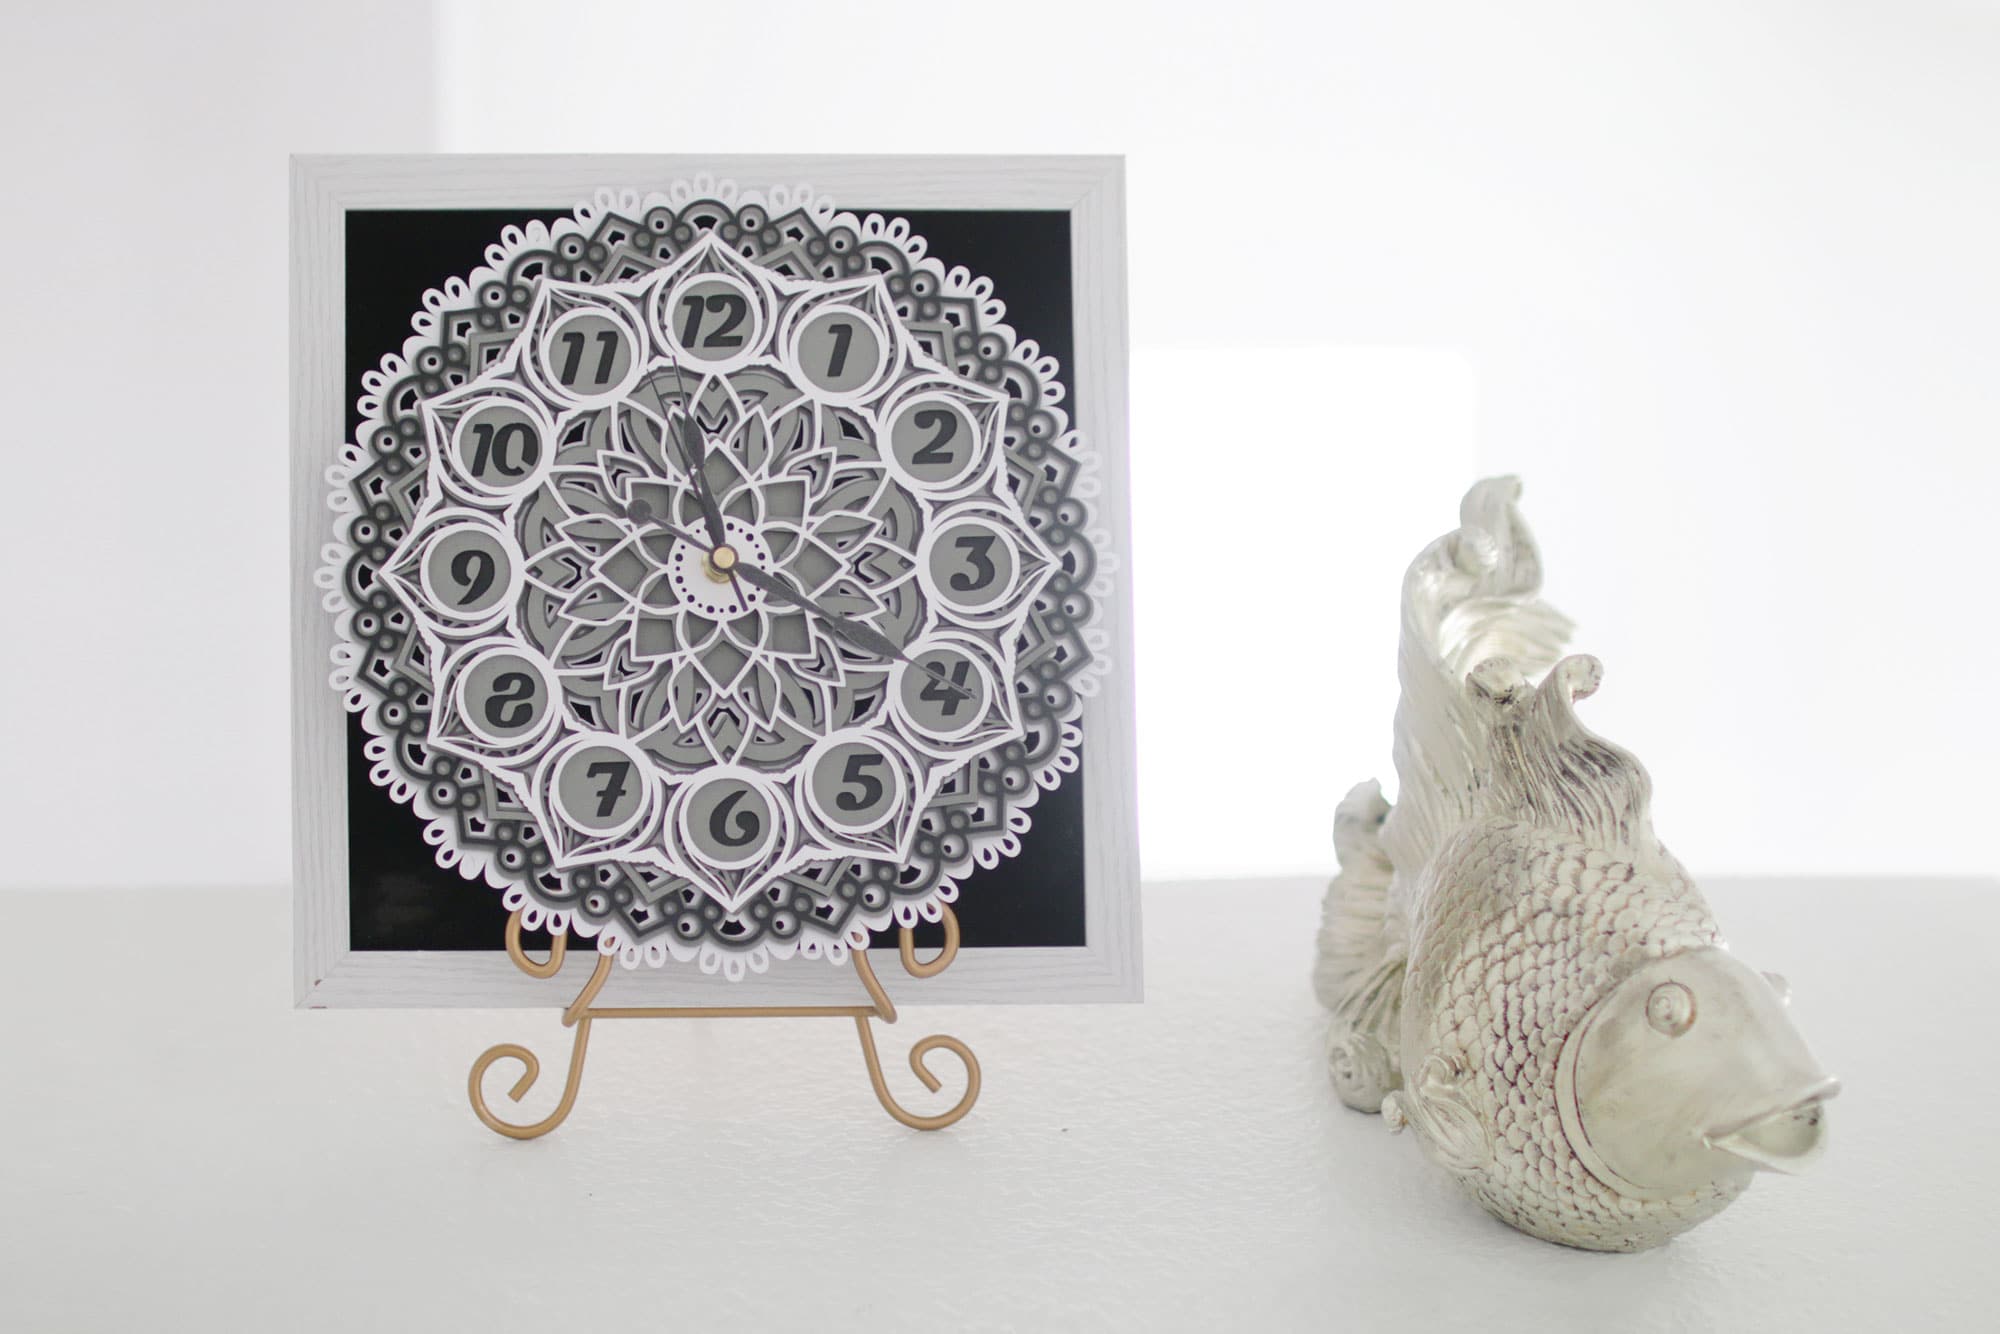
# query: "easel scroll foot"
[925,1046]
[885,1010]
[531,1071]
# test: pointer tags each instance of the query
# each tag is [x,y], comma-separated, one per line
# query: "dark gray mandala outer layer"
[473,821]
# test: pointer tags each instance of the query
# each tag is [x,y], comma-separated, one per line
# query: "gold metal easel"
[581,1013]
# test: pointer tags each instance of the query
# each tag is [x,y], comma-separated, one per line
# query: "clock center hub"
[701,576]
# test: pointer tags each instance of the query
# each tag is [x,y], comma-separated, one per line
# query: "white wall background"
[1719,279]
[144,733]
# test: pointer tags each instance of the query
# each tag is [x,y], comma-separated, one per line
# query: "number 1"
[842,335]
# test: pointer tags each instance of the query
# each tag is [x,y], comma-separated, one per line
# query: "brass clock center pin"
[719,562]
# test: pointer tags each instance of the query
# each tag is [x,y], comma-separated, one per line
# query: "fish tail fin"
[1470,596]
[1359,973]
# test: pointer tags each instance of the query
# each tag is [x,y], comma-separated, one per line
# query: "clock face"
[717,576]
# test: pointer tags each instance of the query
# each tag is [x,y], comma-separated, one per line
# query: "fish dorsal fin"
[1549,770]
[1469,597]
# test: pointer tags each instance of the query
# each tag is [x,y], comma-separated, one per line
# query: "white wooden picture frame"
[328,971]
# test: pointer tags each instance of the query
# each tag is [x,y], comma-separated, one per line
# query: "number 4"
[935,693]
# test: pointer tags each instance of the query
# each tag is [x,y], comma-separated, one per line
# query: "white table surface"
[183,1151]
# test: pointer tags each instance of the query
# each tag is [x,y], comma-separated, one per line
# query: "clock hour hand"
[693,449]
[861,635]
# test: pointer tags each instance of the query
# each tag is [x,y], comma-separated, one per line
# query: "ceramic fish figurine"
[1518,971]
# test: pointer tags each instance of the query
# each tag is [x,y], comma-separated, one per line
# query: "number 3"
[975,548]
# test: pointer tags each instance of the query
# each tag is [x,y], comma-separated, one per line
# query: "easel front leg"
[575,1016]
[885,1010]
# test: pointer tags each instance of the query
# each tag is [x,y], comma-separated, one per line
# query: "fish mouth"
[1788,1138]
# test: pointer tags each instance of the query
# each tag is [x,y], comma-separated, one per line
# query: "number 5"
[857,773]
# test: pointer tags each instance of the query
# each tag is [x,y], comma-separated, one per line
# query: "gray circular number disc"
[932,440]
[505,697]
[838,352]
[713,319]
[856,785]
[599,788]
[972,564]
[588,353]
[499,445]
[933,708]
[728,821]
[468,571]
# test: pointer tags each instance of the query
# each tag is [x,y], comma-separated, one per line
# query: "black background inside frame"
[399,898]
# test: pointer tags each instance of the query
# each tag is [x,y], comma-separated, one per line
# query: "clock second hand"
[855,632]
[863,636]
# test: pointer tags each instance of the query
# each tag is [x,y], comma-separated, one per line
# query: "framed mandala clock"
[708,568]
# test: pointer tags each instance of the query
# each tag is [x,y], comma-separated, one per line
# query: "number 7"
[617,771]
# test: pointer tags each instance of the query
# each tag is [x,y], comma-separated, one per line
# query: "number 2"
[945,423]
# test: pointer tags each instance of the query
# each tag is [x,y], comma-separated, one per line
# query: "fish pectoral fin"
[1439,1108]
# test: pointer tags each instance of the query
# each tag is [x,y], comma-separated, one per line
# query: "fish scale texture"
[1515,935]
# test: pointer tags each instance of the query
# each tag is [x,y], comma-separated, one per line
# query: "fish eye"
[1670,1009]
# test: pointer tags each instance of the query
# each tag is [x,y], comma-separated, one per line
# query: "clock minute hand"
[855,632]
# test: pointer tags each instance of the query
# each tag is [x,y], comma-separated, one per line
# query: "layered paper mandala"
[601,724]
